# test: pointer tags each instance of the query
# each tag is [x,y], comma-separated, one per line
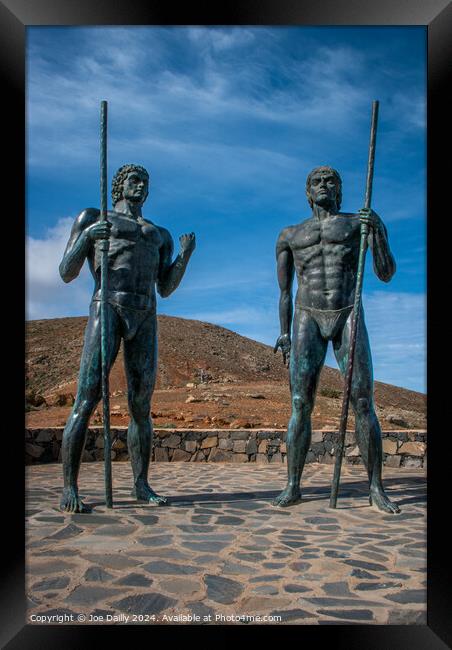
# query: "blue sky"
[229,122]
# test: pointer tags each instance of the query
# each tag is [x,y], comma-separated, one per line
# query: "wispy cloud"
[47,295]
[315,94]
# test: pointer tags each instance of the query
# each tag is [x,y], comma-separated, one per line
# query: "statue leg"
[88,395]
[140,357]
[307,356]
[367,427]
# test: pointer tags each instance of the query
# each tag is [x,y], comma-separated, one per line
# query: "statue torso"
[325,254]
[133,255]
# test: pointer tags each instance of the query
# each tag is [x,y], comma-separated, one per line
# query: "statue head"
[120,183]
[327,171]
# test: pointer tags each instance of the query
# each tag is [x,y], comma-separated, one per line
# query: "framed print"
[22,23]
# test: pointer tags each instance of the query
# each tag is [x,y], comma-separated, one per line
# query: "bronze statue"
[323,251]
[139,258]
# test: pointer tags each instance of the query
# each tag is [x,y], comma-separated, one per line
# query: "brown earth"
[232,381]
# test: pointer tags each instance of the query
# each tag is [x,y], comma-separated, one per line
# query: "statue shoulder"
[284,239]
[286,234]
[86,217]
[165,235]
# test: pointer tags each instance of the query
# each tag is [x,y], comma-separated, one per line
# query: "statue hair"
[120,177]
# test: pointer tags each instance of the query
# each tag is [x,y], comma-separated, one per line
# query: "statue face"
[323,189]
[136,187]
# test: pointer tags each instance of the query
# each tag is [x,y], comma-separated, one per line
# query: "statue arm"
[383,260]
[171,273]
[285,271]
[78,245]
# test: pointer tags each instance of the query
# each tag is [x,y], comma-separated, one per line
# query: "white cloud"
[47,295]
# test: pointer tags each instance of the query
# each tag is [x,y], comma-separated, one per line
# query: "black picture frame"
[436,15]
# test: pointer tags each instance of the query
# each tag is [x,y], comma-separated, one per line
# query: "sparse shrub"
[330,392]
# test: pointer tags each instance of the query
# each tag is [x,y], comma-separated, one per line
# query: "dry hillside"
[237,381]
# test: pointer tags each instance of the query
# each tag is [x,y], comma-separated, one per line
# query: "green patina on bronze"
[139,259]
[324,252]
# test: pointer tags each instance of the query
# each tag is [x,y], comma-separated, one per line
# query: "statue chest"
[315,235]
[128,234]
[132,244]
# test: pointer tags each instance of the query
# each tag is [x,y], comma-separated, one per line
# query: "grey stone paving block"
[134,580]
[201,519]
[331,602]
[59,582]
[55,520]
[250,557]
[363,575]
[232,568]
[269,590]
[337,589]
[117,530]
[117,561]
[292,614]
[222,590]
[82,595]
[196,528]
[200,609]
[294,544]
[43,568]
[269,577]
[71,530]
[148,520]
[149,603]
[226,520]
[97,574]
[372,586]
[212,547]
[299,566]
[319,519]
[409,596]
[168,568]
[296,589]
[92,518]
[158,540]
[372,566]
[349,614]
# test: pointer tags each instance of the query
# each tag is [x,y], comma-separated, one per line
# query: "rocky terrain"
[207,376]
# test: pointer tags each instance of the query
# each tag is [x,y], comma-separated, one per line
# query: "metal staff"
[103,247]
[356,312]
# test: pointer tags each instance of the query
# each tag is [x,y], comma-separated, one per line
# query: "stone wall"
[407,448]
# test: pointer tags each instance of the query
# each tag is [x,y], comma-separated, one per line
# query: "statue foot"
[288,497]
[144,492]
[379,500]
[71,502]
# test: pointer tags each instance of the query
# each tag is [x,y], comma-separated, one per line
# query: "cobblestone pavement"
[219,548]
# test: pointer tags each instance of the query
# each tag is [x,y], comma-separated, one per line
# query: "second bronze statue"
[139,261]
[323,252]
